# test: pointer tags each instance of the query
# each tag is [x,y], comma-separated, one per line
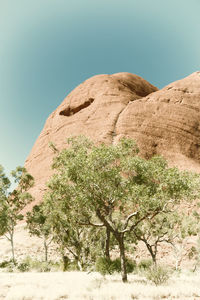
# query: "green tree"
[112,185]
[81,243]
[12,203]
[4,186]
[161,229]
[37,225]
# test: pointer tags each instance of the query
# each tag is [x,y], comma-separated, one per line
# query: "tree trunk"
[12,246]
[122,257]
[13,252]
[107,248]
[65,262]
[153,253]
[80,267]
[45,250]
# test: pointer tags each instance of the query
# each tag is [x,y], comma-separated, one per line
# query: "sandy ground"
[25,245]
[80,285]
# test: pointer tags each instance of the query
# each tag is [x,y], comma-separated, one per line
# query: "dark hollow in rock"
[71,111]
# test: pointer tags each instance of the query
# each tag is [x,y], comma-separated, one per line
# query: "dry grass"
[77,285]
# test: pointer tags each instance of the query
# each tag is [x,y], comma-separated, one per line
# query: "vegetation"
[37,225]
[105,265]
[112,189]
[12,203]
[145,264]
[157,274]
[103,198]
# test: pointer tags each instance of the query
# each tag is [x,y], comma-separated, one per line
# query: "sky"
[48,47]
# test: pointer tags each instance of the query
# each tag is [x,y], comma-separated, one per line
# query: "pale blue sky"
[48,47]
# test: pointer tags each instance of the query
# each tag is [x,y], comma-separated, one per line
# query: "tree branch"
[90,224]
[105,222]
[129,218]
[7,237]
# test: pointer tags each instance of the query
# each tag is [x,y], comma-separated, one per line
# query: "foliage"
[12,203]
[78,246]
[107,266]
[5,263]
[145,264]
[30,264]
[165,228]
[37,225]
[23,267]
[110,186]
[157,274]
[185,227]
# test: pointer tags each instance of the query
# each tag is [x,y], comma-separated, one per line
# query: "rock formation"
[107,107]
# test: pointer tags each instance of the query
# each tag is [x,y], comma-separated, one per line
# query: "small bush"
[107,266]
[29,264]
[192,253]
[145,264]
[45,267]
[23,267]
[5,263]
[8,265]
[157,274]
[104,266]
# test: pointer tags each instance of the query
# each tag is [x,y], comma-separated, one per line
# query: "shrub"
[104,266]
[107,266]
[157,274]
[131,265]
[192,252]
[23,267]
[6,263]
[145,264]
[25,264]
[40,266]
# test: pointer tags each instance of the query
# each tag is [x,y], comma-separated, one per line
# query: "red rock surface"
[107,107]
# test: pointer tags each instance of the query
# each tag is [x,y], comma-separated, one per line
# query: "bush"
[107,266]
[104,266]
[23,267]
[157,274]
[6,263]
[40,266]
[145,264]
[131,265]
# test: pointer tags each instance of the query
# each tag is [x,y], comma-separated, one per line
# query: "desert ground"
[81,285]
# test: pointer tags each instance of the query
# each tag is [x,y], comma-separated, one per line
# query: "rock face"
[107,107]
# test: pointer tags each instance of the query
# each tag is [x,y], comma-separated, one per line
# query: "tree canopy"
[13,202]
[112,187]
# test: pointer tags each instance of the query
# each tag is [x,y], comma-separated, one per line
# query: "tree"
[37,225]
[154,232]
[4,186]
[12,203]
[167,227]
[112,185]
[81,243]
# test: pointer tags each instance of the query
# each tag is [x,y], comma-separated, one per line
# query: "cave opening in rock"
[71,111]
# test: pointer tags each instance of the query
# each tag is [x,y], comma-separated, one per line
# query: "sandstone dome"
[107,107]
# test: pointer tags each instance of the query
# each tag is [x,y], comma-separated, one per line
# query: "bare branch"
[129,218]
[148,215]
[7,237]
[76,256]
[90,224]
[106,223]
